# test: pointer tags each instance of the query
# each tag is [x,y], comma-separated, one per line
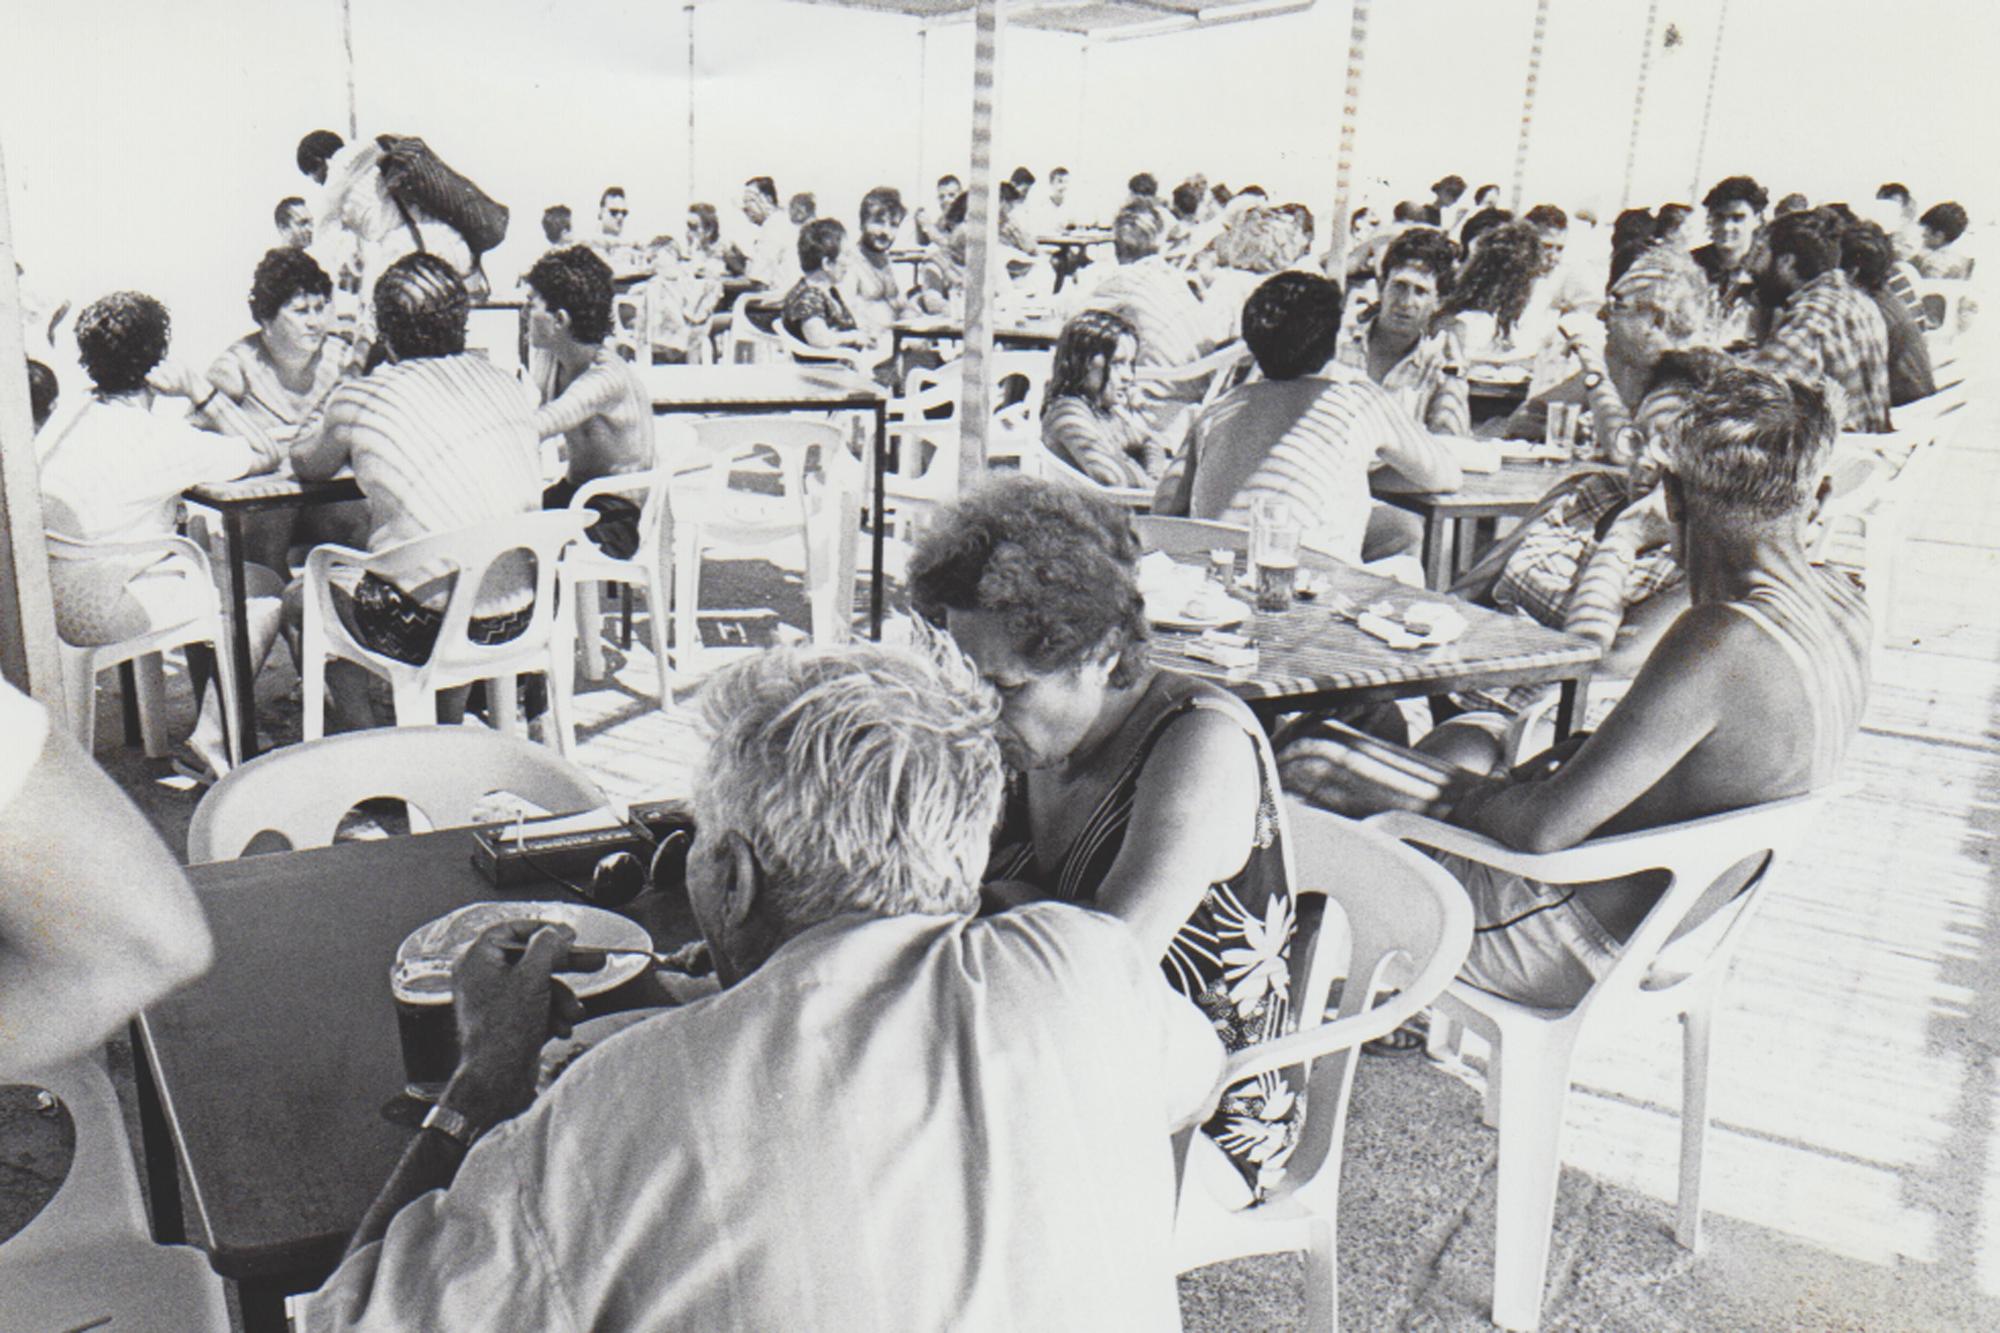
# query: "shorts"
[389,621]
[616,530]
[1531,942]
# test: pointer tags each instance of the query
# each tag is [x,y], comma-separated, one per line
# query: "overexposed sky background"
[146,144]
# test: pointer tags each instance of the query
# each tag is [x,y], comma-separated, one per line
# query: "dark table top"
[1306,655]
[772,387]
[274,491]
[274,1067]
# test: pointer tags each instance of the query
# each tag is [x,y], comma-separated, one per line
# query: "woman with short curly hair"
[113,474]
[281,374]
[1147,794]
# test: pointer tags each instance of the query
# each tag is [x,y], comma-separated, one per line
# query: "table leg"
[1570,705]
[128,701]
[263,1304]
[245,710]
[881,500]
[156,1142]
[1437,551]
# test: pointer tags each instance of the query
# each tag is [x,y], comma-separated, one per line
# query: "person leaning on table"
[96,919]
[892,1115]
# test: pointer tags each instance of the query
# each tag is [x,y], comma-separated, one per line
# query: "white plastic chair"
[585,565]
[302,791]
[746,342]
[88,1259]
[543,645]
[1038,460]
[1402,924]
[805,354]
[81,664]
[821,508]
[1527,1077]
[1943,302]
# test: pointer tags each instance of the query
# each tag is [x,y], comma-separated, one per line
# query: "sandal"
[1409,1039]
[185,763]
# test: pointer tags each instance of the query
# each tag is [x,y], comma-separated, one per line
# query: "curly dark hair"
[42,391]
[1056,565]
[1291,324]
[1947,220]
[1866,254]
[1498,275]
[1426,248]
[1737,190]
[1089,335]
[317,149]
[122,337]
[1476,226]
[885,201]
[421,307]
[1811,238]
[282,274]
[576,281]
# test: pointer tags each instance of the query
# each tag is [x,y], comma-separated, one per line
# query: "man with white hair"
[893,1115]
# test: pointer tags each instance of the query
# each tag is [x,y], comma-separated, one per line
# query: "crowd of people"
[917,1032]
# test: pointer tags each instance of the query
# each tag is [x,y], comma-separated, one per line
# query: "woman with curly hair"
[1149,795]
[114,473]
[1087,419]
[1492,291]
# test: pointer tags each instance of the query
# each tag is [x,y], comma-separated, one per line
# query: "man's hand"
[1644,523]
[176,379]
[506,1010]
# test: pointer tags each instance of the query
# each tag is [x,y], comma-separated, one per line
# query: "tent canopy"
[1110,19]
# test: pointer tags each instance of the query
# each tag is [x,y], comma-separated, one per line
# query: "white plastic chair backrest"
[1204,369]
[1394,920]
[1237,369]
[649,488]
[472,551]
[1694,854]
[1188,538]
[302,791]
[724,440]
[99,1197]
[804,353]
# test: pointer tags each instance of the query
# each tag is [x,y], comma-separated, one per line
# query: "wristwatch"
[1591,379]
[452,1124]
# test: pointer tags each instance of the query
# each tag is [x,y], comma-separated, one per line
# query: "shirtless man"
[1750,696]
[597,400]
[874,295]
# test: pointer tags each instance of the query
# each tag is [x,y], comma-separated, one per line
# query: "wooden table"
[1071,249]
[1309,659]
[783,388]
[1027,335]
[1452,518]
[231,500]
[267,1076]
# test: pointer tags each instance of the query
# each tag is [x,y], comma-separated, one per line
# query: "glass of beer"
[427,1023]
[1561,435]
[1274,551]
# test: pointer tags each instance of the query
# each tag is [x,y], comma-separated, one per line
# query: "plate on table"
[1206,608]
[448,937]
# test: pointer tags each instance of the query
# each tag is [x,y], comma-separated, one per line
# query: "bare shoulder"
[1207,750]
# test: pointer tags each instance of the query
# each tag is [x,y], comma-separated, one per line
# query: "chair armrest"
[159,547]
[1605,858]
[620,484]
[1323,1040]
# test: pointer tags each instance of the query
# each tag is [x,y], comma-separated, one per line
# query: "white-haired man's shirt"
[908,1122]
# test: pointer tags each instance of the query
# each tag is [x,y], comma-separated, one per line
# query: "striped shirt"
[1156,298]
[1309,441]
[1429,380]
[1113,447]
[1829,330]
[437,443]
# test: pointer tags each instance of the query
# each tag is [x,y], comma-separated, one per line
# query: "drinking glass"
[1563,419]
[1274,551]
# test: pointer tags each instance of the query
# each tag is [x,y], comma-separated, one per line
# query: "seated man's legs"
[1531,942]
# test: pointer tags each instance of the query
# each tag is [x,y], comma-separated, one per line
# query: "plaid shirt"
[1429,381]
[1829,330]
[1542,574]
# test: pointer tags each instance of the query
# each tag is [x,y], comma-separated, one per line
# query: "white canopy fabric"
[1109,19]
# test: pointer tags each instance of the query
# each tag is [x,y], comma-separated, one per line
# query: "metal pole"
[28,654]
[1639,105]
[923,110]
[1528,102]
[692,178]
[347,44]
[1708,106]
[976,401]
[1350,107]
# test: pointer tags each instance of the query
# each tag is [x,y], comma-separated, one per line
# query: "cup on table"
[1274,551]
[1222,566]
[427,1022]
[1562,426]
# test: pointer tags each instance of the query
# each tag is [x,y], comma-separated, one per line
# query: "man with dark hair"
[612,211]
[1144,186]
[1447,199]
[1298,434]
[1024,181]
[873,293]
[316,153]
[1735,212]
[927,226]
[1395,345]
[1940,256]
[1868,258]
[1822,326]
[1058,213]
[595,398]
[439,439]
[42,392]
[556,225]
[1750,696]
[774,254]
[1486,196]
[294,222]
[1791,203]
[941,279]
[1409,211]
[1900,219]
